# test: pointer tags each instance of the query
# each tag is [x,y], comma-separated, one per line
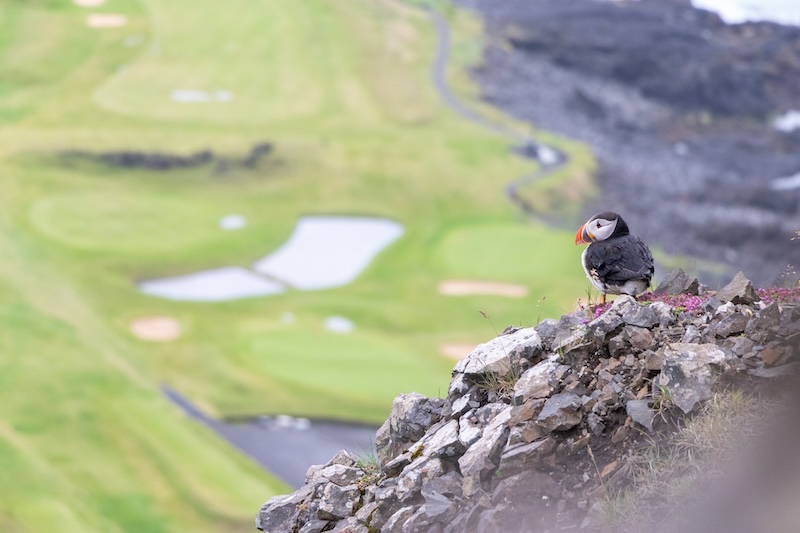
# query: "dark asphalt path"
[550,159]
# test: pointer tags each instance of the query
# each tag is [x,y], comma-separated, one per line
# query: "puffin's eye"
[598,224]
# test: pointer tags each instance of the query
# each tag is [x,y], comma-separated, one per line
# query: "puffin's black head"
[600,227]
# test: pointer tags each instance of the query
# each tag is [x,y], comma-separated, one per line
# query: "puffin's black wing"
[621,259]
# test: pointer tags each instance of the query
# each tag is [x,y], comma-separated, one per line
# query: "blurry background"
[269,208]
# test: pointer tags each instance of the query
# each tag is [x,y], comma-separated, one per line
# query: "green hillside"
[341,90]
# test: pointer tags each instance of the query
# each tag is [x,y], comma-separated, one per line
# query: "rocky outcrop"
[538,420]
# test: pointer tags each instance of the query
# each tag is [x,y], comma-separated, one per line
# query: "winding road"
[287,447]
[550,159]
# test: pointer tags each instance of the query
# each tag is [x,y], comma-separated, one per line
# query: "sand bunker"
[456,350]
[156,328]
[89,3]
[189,96]
[466,287]
[106,20]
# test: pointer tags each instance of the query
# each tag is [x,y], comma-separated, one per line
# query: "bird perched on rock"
[616,262]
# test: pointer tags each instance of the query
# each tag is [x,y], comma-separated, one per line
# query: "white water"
[227,283]
[737,11]
[326,252]
[321,253]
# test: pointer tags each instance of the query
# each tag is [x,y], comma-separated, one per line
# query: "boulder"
[560,412]
[739,291]
[678,282]
[689,372]
[411,416]
[497,355]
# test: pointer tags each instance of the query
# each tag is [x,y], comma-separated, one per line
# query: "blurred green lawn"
[342,90]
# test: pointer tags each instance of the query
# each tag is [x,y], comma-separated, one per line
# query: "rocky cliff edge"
[539,423]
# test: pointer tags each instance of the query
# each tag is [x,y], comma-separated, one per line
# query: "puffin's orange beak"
[583,236]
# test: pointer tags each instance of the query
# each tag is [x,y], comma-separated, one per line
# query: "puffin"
[616,262]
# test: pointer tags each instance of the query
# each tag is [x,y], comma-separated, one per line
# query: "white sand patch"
[228,283]
[232,222]
[467,287]
[156,328]
[193,96]
[339,324]
[89,3]
[106,20]
[456,350]
[325,252]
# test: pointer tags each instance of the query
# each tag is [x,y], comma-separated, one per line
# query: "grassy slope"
[342,89]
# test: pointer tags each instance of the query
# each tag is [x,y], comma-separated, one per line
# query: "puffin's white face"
[600,229]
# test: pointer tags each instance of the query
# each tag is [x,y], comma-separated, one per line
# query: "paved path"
[550,159]
[285,446]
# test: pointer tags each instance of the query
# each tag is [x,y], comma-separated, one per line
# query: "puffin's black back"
[621,258]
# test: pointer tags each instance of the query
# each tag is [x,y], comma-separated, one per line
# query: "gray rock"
[732,324]
[595,423]
[482,458]
[278,514]
[560,412]
[643,316]
[538,381]
[468,431]
[314,526]
[411,416]
[442,440]
[496,356]
[421,522]
[459,386]
[338,502]
[653,360]
[409,484]
[398,464]
[366,512]
[640,338]
[525,433]
[470,400]
[666,316]
[641,413]
[547,330]
[517,459]
[350,525]
[678,282]
[335,473]
[763,328]
[689,372]
[608,322]
[576,348]
[739,291]
[395,522]
[567,326]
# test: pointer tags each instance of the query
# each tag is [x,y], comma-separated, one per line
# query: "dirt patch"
[466,287]
[106,20]
[156,328]
[89,3]
[456,350]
